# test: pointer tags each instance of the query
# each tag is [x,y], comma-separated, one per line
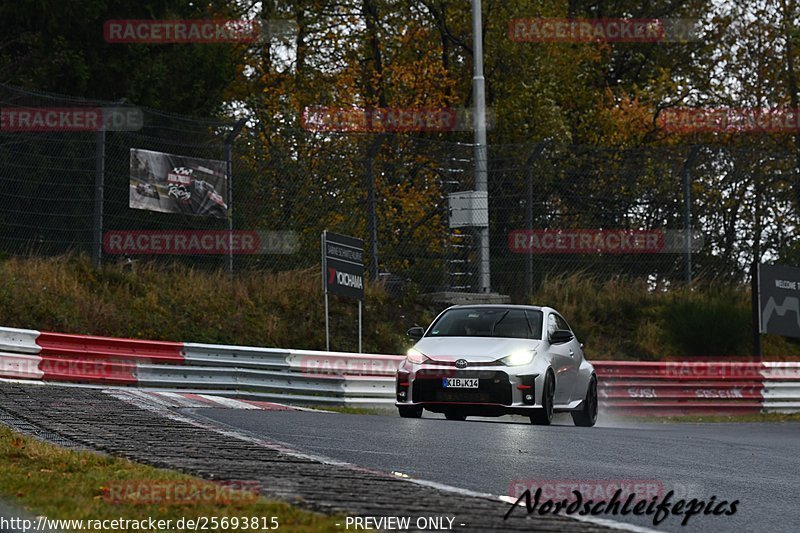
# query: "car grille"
[472,364]
[493,387]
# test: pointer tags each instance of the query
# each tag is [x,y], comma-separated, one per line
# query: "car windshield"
[488,322]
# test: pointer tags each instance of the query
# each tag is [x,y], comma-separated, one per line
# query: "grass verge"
[44,479]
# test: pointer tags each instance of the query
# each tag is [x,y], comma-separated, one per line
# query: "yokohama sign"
[343,267]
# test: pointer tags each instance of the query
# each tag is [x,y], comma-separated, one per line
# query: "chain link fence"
[62,190]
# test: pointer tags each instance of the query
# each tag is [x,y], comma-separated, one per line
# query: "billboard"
[779,300]
[343,266]
[172,183]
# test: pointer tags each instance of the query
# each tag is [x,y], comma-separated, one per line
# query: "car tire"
[455,416]
[587,415]
[544,415]
[410,411]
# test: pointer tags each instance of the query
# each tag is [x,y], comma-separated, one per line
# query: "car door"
[565,358]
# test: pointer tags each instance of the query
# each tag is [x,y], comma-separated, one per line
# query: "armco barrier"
[346,364]
[20,365]
[239,356]
[331,378]
[680,387]
[19,340]
[60,344]
[87,359]
[18,354]
[781,387]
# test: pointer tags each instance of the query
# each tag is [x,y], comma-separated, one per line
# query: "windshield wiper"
[491,333]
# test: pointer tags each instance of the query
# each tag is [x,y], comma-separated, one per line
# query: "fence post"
[372,152]
[687,213]
[229,171]
[537,152]
[756,308]
[99,184]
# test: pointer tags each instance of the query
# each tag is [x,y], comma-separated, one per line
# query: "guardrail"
[781,387]
[339,378]
[293,376]
[680,387]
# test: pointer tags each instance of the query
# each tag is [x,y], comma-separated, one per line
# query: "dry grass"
[179,303]
[622,319]
[617,319]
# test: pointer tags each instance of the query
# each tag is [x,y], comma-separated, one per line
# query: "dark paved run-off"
[99,421]
[756,463]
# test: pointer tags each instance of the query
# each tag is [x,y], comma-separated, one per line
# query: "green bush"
[716,323]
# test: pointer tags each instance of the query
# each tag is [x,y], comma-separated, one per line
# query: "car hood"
[473,349]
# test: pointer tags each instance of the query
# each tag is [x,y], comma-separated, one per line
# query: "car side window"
[551,324]
[561,323]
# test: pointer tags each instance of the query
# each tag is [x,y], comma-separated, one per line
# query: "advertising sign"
[779,300]
[343,265]
[342,273]
[177,184]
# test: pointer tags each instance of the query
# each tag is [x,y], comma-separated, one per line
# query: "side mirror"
[415,333]
[561,336]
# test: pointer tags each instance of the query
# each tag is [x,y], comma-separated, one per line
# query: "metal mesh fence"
[393,190]
[49,179]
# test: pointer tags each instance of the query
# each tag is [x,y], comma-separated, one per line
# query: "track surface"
[148,429]
[758,464]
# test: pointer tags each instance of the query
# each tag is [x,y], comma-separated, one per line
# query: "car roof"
[499,306]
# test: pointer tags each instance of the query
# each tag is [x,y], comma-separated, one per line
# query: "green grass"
[44,479]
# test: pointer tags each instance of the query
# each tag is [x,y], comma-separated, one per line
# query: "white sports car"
[492,360]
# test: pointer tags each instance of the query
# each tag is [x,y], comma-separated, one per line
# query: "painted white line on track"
[228,402]
[180,399]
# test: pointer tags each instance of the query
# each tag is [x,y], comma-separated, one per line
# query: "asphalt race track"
[149,428]
[757,464]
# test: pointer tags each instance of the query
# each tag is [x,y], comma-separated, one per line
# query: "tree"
[59,46]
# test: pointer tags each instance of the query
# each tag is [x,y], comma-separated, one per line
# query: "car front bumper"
[501,389]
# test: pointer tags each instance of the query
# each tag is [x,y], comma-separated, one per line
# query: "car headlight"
[416,357]
[520,357]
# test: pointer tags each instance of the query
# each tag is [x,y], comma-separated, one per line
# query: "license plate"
[460,383]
